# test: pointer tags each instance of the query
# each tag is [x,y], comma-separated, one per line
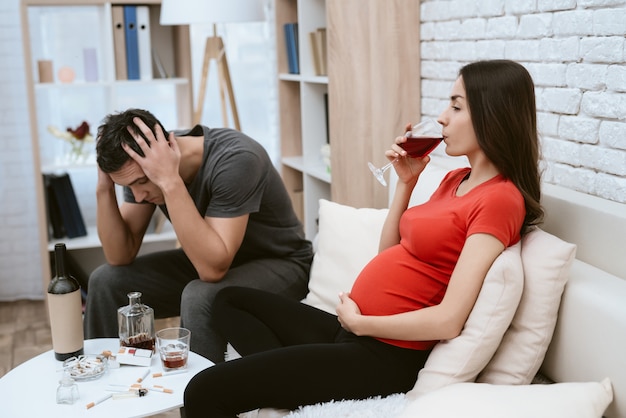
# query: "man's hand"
[162,157]
[105,183]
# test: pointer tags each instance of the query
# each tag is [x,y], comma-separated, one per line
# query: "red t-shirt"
[415,273]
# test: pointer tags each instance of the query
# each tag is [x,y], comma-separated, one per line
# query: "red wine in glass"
[420,146]
[420,141]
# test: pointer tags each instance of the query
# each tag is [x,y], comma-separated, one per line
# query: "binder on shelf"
[61,198]
[143,43]
[119,42]
[291,41]
[132,47]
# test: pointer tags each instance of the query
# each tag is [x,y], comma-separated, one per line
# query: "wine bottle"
[65,310]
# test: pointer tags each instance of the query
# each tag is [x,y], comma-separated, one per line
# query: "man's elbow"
[119,260]
[212,274]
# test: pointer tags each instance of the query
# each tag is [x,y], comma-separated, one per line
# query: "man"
[229,208]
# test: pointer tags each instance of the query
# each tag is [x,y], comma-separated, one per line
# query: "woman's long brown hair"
[501,98]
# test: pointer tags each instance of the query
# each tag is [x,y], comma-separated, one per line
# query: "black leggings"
[293,355]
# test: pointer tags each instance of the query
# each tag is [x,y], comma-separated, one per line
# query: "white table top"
[29,390]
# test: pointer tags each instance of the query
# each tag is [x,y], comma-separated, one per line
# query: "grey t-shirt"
[237,177]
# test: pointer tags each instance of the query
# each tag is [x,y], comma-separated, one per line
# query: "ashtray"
[86,367]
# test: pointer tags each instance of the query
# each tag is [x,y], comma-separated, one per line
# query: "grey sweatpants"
[169,284]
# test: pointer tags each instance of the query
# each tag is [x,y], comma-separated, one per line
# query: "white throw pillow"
[348,239]
[462,358]
[547,261]
[482,400]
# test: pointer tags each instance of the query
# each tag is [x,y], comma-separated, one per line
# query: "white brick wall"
[20,263]
[576,53]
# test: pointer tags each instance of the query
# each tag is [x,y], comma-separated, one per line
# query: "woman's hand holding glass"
[417,143]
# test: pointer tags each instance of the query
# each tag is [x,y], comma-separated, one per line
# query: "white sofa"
[587,349]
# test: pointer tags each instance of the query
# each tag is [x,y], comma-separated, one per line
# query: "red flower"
[80,132]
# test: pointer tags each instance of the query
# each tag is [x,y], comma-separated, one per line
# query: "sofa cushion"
[462,358]
[482,400]
[347,240]
[547,261]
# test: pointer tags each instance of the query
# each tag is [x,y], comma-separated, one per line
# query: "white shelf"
[107,84]
[319,79]
[319,171]
[89,164]
[91,240]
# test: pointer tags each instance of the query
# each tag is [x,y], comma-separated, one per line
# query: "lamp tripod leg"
[231,94]
[197,115]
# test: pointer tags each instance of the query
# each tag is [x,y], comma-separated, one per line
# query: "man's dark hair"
[113,132]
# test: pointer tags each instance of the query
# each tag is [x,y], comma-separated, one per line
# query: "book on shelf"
[64,214]
[326,109]
[291,42]
[56,229]
[158,64]
[144,46]
[318,50]
[132,45]
[315,53]
[119,42]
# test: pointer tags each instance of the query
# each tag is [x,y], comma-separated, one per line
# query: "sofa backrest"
[597,226]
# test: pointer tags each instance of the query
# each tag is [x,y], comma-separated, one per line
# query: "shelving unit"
[372,88]
[302,106]
[60,31]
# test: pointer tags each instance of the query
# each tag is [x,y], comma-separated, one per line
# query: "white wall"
[20,271]
[576,53]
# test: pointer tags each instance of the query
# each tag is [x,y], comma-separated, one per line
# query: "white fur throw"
[390,406]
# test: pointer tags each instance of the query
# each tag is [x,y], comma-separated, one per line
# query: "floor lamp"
[184,12]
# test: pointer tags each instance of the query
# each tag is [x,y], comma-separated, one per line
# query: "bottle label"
[66,322]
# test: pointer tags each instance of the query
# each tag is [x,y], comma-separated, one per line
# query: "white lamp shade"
[184,12]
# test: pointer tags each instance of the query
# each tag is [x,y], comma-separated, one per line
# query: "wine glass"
[421,140]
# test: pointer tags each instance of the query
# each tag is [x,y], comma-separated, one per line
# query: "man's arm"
[121,229]
[210,243]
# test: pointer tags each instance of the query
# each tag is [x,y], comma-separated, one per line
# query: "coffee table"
[29,390]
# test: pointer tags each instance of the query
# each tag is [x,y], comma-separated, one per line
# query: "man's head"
[113,132]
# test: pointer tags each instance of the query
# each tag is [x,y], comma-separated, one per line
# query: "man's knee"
[198,295]
[101,275]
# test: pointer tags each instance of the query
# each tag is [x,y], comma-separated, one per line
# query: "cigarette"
[99,400]
[146,373]
[162,389]
[169,373]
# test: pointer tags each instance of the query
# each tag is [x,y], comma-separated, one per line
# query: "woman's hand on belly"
[348,313]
